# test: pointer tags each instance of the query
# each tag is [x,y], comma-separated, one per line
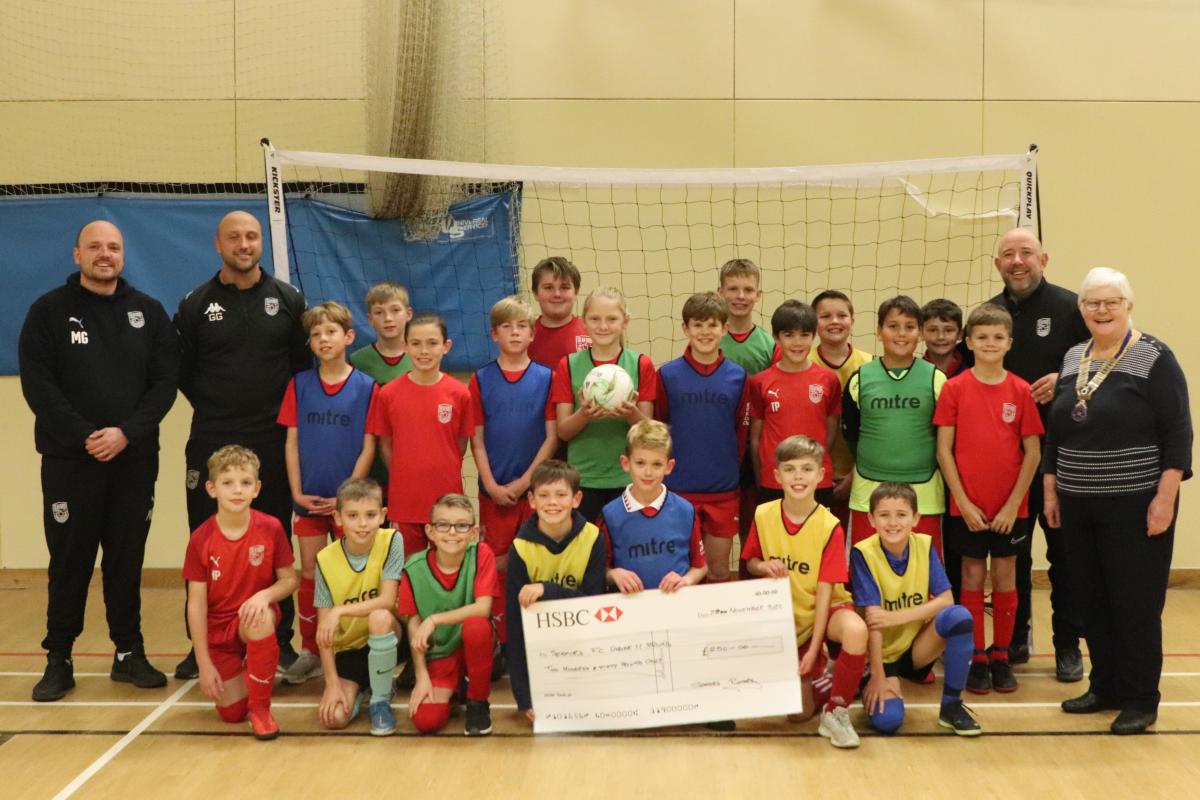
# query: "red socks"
[262,657]
[1004,613]
[478,649]
[847,674]
[307,614]
[972,600]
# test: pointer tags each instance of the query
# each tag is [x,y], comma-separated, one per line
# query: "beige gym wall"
[1106,88]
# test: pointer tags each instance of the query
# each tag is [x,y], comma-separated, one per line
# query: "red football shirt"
[549,345]
[989,421]
[561,390]
[235,570]
[834,564]
[425,423]
[487,582]
[790,403]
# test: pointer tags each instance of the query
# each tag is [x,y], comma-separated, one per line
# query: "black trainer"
[1018,653]
[135,669]
[1003,678]
[479,718]
[979,678]
[1068,665]
[57,680]
[187,669]
[957,717]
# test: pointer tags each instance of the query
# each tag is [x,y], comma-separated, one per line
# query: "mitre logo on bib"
[271,306]
[136,319]
[445,410]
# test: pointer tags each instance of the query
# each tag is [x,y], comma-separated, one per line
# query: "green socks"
[381,660]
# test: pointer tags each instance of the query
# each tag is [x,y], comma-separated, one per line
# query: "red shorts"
[498,525]
[718,511]
[316,525]
[413,534]
[861,528]
[448,672]
[226,648]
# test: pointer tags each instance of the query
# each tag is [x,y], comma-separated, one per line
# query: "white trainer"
[307,665]
[836,727]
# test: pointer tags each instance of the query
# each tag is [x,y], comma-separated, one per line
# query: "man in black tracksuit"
[240,342]
[99,368]
[1046,323]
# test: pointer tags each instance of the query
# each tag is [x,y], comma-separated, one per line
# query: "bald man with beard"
[99,368]
[240,342]
[1046,324]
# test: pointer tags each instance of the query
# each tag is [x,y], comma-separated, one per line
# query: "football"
[607,386]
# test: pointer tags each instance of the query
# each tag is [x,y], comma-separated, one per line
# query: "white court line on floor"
[1018,673]
[123,742]
[38,674]
[203,704]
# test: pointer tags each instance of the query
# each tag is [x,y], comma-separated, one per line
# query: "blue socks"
[955,625]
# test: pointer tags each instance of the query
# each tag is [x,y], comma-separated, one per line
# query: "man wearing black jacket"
[240,341]
[1046,324]
[99,368]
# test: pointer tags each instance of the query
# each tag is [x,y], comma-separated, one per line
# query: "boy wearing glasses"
[446,596]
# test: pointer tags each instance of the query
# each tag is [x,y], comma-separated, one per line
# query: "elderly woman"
[1118,442]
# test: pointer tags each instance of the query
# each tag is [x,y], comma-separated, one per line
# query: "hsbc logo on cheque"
[578,618]
[608,613]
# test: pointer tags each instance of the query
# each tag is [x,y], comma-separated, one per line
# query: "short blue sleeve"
[863,585]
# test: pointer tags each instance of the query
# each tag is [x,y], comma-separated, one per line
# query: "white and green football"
[607,386]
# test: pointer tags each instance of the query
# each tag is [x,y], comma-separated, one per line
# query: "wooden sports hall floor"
[111,740]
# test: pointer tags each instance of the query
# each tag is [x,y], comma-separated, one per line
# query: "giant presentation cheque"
[703,653]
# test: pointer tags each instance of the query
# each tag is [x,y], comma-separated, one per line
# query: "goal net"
[924,228]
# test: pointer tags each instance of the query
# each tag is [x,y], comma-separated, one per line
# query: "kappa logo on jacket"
[215,312]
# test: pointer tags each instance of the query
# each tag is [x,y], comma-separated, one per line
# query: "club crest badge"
[136,319]
[1043,327]
[256,554]
[1008,412]
[271,306]
[60,511]
[816,393]
[192,479]
[445,411]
